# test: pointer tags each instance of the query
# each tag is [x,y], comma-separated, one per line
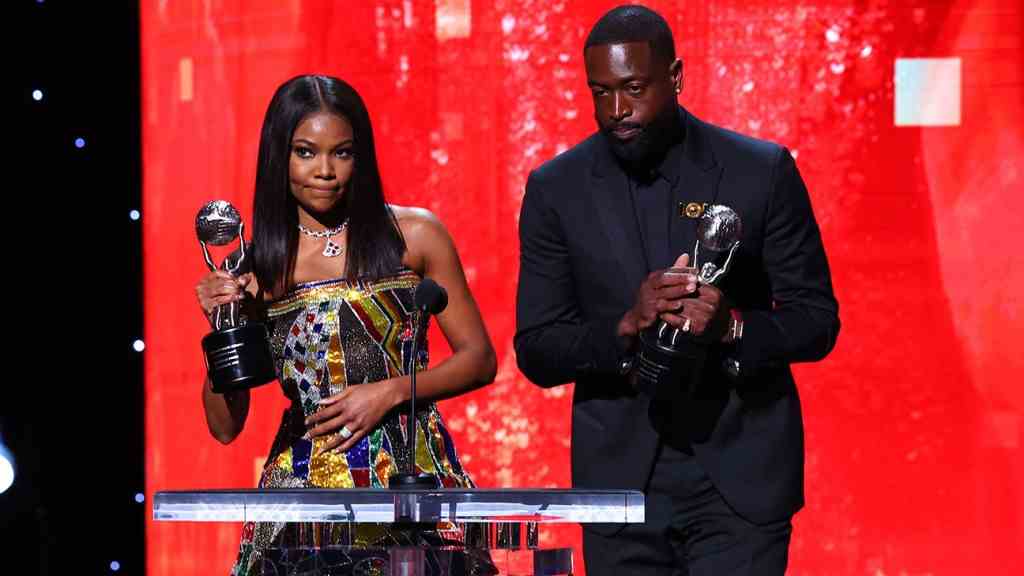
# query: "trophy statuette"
[237,351]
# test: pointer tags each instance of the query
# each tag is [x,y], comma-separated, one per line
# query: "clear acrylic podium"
[502,521]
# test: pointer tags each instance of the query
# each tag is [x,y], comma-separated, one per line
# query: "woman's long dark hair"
[374,242]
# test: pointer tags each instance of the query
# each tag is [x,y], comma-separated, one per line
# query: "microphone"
[429,299]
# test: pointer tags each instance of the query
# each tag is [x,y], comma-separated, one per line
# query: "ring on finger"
[345,432]
[686,326]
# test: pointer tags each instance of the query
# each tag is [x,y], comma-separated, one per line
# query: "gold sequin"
[330,469]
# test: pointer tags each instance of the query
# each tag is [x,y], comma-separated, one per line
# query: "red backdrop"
[914,423]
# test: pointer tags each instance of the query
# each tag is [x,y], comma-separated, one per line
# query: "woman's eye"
[344,153]
[303,152]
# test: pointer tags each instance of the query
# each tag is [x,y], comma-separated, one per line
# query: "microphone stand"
[410,480]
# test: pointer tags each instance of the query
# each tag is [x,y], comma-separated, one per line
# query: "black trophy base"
[413,482]
[667,365]
[238,358]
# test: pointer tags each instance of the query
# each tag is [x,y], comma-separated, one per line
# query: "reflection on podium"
[489,526]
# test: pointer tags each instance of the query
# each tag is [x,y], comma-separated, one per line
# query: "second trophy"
[237,352]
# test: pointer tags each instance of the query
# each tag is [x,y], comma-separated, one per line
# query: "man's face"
[634,95]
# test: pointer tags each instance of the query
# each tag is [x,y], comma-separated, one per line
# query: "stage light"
[79,142]
[37,95]
[115,566]
[927,91]
[140,497]
[6,468]
[134,215]
[139,345]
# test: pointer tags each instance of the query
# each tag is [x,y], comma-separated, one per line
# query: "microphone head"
[430,297]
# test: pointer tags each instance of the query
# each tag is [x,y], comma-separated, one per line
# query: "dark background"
[71,410]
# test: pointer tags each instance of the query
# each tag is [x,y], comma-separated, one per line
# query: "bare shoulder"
[418,224]
[426,238]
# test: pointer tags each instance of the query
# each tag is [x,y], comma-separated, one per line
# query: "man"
[600,226]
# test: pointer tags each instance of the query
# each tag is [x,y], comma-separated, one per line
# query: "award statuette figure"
[237,352]
[669,355]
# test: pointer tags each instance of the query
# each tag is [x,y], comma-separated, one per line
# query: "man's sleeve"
[553,343]
[804,322]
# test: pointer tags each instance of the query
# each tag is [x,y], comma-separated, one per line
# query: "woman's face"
[320,163]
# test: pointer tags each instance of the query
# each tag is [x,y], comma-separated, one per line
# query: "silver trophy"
[667,353]
[718,232]
[237,352]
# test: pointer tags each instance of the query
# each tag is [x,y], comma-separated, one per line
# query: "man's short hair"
[632,23]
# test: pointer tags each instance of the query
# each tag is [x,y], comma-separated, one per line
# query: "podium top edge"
[439,491]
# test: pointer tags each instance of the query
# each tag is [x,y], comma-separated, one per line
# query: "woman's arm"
[225,413]
[473,363]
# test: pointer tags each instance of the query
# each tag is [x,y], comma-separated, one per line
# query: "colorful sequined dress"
[325,336]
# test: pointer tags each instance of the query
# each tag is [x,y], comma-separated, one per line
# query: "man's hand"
[707,316]
[662,293]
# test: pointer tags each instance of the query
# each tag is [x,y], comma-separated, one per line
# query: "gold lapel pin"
[692,209]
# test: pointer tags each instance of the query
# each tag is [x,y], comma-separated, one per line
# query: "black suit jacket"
[581,266]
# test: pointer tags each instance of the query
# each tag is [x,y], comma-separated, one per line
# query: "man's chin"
[633,152]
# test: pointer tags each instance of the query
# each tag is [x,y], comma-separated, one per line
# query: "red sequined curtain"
[913,423]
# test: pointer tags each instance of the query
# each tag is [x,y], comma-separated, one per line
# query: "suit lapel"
[699,176]
[698,184]
[617,218]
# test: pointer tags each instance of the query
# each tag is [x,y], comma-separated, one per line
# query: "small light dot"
[134,215]
[115,566]
[140,497]
[37,95]
[139,345]
[79,142]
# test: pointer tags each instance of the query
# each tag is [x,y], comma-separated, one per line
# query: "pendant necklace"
[332,248]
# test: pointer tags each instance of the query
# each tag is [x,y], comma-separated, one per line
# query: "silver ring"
[345,432]
[686,326]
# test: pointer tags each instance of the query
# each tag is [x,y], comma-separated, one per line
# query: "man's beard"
[645,150]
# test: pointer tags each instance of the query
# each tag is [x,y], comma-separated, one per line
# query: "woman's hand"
[354,412]
[218,288]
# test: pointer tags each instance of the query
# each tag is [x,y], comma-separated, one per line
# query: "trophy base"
[669,376]
[238,358]
[659,366]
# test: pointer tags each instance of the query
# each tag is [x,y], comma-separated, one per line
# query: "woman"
[334,269]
